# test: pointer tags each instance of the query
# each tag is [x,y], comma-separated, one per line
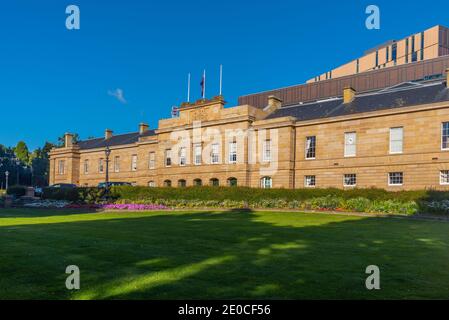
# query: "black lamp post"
[18,173]
[107,153]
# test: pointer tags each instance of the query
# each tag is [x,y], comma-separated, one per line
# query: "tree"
[22,153]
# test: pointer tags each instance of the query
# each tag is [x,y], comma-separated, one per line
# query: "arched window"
[232,182]
[182,183]
[266,182]
[167,183]
[197,182]
[214,182]
[151,184]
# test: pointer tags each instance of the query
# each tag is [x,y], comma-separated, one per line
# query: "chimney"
[348,94]
[107,134]
[68,140]
[274,103]
[142,127]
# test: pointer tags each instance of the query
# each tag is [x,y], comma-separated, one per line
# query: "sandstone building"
[389,129]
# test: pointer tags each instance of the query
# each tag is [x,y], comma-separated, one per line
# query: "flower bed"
[130,207]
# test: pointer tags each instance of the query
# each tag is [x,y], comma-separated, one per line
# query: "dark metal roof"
[362,82]
[117,140]
[396,97]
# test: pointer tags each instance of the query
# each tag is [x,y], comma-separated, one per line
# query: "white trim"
[441,137]
[441,181]
[402,141]
[395,184]
[349,185]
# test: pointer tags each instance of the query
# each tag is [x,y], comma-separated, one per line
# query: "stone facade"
[419,162]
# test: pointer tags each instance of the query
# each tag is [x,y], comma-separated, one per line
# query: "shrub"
[357,204]
[16,191]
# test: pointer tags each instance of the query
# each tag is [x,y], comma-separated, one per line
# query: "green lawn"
[191,255]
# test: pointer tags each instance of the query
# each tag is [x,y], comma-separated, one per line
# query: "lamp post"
[7,175]
[107,153]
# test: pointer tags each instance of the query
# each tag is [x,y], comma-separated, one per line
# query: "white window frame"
[134,162]
[402,140]
[395,184]
[441,177]
[197,154]
[86,166]
[152,160]
[167,158]
[263,183]
[348,136]
[100,165]
[152,184]
[233,152]
[307,147]
[306,184]
[215,156]
[61,167]
[442,135]
[182,157]
[117,164]
[266,151]
[349,185]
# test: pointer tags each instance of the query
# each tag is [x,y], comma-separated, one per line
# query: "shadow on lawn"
[40,212]
[227,255]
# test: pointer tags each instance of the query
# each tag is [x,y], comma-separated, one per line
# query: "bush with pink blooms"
[130,207]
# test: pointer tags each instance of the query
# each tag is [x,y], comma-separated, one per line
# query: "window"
[100,165]
[116,164]
[357,66]
[406,50]
[182,183]
[350,180]
[394,52]
[214,182]
[396,140]
[61,167]
[232,182]
[197,182]
[152,160]
[309,181]
[197,154]
[86,166]
[167,183]
[266,183]
[151,184]
[266,151]
[444,177]
[350,144]
[233,152]
[422,45]
[215,153]
[134,162]
[414,53]
[310,147]
[168,158]
[395,179]
[182,156]
[445,136]
[387,54]
[377,58]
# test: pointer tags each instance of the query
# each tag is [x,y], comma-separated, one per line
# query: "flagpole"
[221,78]
[188,88]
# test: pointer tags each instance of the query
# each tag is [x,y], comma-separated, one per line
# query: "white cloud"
[118,94]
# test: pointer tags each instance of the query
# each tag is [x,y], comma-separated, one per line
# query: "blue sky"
[54,80]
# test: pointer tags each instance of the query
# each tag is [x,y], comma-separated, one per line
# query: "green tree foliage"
[22,153]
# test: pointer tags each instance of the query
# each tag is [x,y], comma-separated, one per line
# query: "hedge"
[360,200]
[16,191]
